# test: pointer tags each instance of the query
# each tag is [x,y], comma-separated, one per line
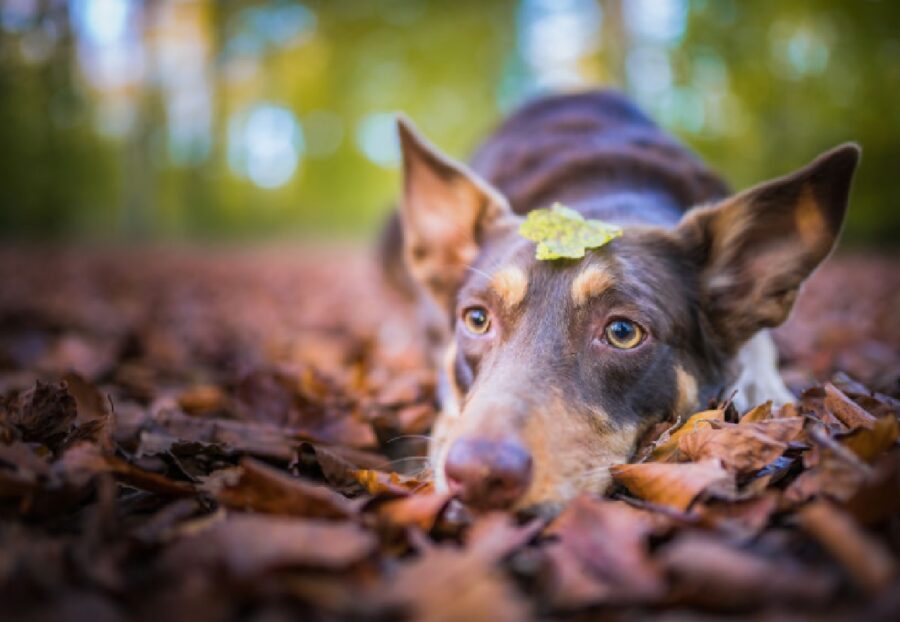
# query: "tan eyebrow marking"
[511,285]
[687,392]
[591,282]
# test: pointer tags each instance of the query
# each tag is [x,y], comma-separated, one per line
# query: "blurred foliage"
[237,118]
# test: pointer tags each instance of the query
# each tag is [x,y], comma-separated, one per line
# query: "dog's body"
[552,369]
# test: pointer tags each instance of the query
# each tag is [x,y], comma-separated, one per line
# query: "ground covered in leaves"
[227,435]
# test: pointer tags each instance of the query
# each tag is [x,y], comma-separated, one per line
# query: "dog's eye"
[477,320]
[623,334]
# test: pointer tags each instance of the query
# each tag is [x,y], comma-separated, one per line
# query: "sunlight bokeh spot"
[658,20]
[280,24]
[555,35]
[265,145]
[104,22]
[376,137]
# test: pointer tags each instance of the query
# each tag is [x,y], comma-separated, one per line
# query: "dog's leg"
[758,380]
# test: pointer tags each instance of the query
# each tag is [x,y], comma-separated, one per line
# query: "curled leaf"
[673,485]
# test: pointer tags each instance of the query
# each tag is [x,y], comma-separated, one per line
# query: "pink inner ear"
[763,243]
[810,223]
[444,213]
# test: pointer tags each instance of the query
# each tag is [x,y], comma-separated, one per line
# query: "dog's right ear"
[755,249]
[446,213]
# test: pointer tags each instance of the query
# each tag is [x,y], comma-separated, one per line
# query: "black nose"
[488,474]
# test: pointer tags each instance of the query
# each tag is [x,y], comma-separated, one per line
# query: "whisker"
[479,272]
[402,436]
[408,459]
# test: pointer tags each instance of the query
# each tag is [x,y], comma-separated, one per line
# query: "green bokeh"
[791,78]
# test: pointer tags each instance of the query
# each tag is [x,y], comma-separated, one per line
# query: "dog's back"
[579,148]
[594,152]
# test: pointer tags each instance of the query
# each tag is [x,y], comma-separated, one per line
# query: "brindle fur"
[702,281]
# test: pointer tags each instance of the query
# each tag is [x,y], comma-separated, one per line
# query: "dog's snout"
[488,474]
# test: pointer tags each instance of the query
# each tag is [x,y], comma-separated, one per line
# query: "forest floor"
[229,434]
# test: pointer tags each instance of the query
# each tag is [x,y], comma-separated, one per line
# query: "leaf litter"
[224,445]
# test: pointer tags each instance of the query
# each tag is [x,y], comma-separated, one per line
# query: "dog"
[550,371]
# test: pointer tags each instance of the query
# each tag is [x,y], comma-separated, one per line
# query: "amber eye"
[623,334]
[477,320]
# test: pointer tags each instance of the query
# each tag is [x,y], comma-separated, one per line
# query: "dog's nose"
[488,474]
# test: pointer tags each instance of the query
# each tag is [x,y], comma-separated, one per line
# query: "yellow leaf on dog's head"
[563,233]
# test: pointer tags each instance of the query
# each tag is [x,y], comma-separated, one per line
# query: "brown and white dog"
[551,370]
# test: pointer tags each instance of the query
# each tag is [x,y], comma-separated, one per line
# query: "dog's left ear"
[755,249]
[447,211]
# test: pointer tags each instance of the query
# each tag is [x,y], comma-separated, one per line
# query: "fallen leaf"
[667,446]
[381,482]
[869,564]
[82,462]
[602,555]
[563,233]
[846,410]
[744,518]
[757,413]
[742,447]
[870,442]
[709,572]
[248,545]
[45,414]
[420,510]
[203,398]
[446,584]
[257,486]
[878,497]
[674,485]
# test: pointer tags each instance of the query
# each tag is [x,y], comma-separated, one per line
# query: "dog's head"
[555,368]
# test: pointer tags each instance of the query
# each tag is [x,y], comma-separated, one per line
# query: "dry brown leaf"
[879,496]
[868,562]
[743,447]
[870,442]
[667,445]
[381,482]
[420,510]
[744,518]
[846,410]
[758,413]
[93,422]
[673,485]
[203,398]
[250,544]
[447,584]
[83,461]
[602,555]
[259,487]
[709,572]
[832,470]
[45,414]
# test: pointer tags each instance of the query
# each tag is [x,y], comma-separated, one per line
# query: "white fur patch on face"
[511,285]
[591,282]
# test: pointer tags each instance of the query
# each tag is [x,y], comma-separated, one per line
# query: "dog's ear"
[754,250]
[447,211]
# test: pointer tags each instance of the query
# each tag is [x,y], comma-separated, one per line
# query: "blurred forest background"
[122,119]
